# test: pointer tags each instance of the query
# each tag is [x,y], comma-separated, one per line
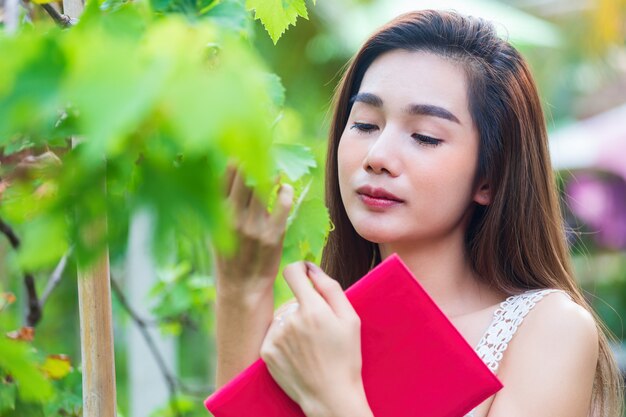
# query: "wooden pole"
[96,322]
[96,335]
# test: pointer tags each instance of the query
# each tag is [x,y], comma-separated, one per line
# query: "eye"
[363,127]
[426,140]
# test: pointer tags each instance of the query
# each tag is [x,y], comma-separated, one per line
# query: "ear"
[482,195]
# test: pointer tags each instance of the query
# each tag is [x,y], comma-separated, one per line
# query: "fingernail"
[312,268]
[286,187]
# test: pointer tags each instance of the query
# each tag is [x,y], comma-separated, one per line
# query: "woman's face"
[408,155]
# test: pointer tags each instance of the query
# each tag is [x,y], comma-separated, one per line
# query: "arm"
[245,279]
[549,369]
[242,320]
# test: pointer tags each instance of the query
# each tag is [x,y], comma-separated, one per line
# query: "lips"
[377,193]
[378,199]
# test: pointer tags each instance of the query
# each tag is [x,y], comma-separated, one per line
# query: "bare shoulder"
[549,367]
[560,324]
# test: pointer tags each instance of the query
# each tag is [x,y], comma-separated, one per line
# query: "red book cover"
[415,362]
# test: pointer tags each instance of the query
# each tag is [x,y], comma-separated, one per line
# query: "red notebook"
[415,362]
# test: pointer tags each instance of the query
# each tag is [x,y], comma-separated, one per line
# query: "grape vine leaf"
[293,160]
[306,234]
[277,15]
[305,238]
[276,89]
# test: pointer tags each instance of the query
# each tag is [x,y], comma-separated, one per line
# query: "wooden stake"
[96,339]
[96,323]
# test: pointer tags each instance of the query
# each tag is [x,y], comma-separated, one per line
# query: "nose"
[381,157]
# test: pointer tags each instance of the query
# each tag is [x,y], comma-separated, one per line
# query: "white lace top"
[506,320]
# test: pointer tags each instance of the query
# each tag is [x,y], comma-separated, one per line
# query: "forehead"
[402,77]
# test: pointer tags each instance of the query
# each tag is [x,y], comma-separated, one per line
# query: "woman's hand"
[244,280]
[254,265]
[314,351]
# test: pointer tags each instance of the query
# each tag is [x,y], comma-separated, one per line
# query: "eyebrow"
[412,109]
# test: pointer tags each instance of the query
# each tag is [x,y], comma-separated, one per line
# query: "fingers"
[330,291]
[252,218]
[240,193]
[243,197]
[297,279]
[257,211]
[325,292]
[230,176]
[282,207]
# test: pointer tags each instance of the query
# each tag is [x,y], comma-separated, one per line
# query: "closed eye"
[426,140]
[363,127]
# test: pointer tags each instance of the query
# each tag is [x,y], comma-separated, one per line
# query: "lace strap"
[507,319]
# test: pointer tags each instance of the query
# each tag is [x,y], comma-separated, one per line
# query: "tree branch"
[170,380]
[10,234]
[34,308]
[55,278]
[61,19]
[35,304]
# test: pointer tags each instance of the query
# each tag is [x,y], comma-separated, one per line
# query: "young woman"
[437,152]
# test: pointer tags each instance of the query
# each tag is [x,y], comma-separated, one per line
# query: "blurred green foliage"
[142,106]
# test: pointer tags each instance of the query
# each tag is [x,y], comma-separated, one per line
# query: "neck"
[444,271]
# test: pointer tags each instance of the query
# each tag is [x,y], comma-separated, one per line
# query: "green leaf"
[293,160]
[26,409]
[277,15]
[30,101]
[231,15]
[107,114]
[276,90]
[69,400]
[307,232]
[17,359]
[44,242]
[8,393]
[17,145]
[162,5]
[179,405]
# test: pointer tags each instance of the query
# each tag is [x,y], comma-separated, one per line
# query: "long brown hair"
[518,241]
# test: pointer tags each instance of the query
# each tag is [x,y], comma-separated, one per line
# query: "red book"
[415,362]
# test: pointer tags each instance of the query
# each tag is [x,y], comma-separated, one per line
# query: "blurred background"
[577,51]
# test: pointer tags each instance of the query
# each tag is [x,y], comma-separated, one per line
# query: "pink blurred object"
[600,201]
[594,151]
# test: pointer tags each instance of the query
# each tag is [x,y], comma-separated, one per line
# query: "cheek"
[447,177]
[346,163]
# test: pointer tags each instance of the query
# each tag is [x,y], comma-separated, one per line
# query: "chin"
[376,234]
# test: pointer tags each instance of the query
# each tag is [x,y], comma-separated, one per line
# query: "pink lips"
[377,197]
